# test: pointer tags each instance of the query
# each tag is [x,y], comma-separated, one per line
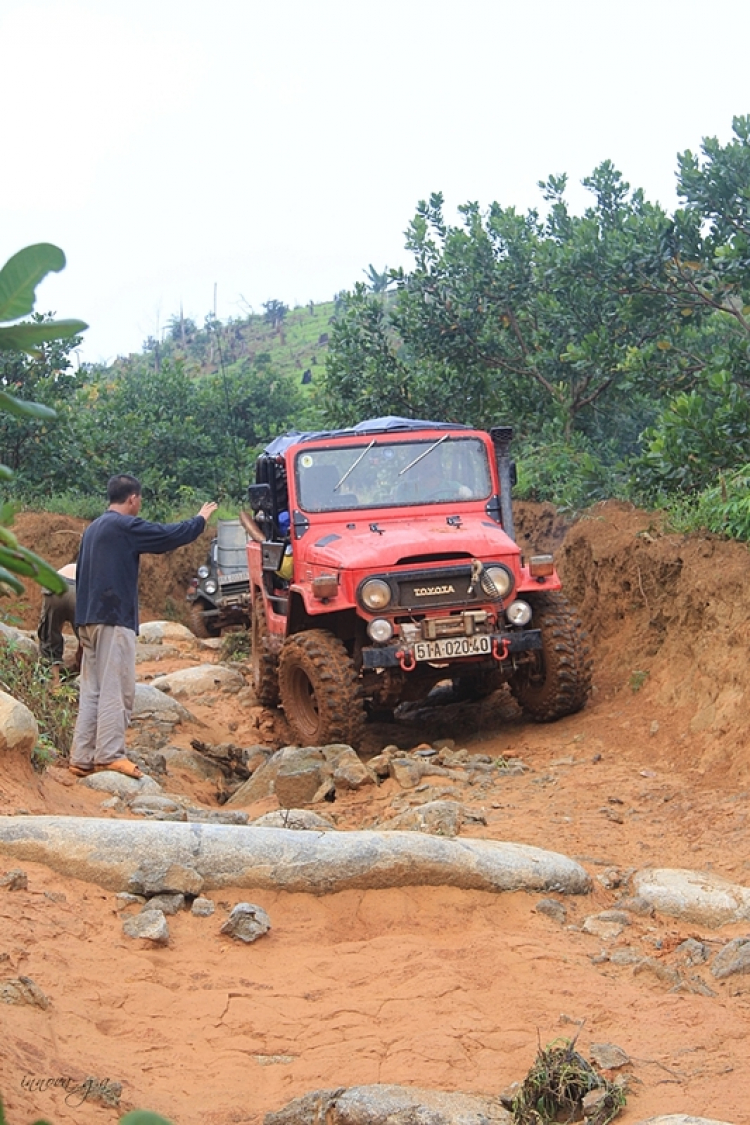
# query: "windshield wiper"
[421,455]
[351,468]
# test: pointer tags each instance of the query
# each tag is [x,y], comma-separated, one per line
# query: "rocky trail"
[389,980]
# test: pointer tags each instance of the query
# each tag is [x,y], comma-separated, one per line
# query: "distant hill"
[292,342]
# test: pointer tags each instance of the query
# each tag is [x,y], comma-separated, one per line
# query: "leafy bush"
[723,508]
[54,709]
[567,473]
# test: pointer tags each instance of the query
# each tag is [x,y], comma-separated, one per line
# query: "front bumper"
[392,656]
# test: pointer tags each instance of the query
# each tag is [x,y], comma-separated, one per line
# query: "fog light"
[380,630]
[518,613]
[203,572]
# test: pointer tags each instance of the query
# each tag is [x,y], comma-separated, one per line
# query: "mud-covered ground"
[429,986]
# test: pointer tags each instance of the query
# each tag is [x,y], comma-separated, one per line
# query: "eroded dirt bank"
[429,986]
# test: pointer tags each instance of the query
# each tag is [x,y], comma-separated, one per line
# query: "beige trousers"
[107,692]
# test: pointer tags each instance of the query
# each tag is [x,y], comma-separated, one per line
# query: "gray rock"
[150,925]
[19,639]
[148,653]
[193,761]
[202,907]
[18,727]
[149,857]
[216,816]
[124,900]
[152,632]
[407,772]
[350,772]
[200,680]
[600,927]
[681,1119]
[247,922]
[552,909]
[150,703]
[154,877]
[121,786]
[299,819]
[15,880]
[733,959]
[298,778]
[391,1105]
[22,990]
[695,896]
[442,818]
[692,951]
[151,804]
[168,904]
[608,1056]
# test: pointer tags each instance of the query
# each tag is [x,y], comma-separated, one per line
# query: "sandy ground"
[432,986]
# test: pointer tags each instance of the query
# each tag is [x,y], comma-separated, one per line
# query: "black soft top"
[391,424]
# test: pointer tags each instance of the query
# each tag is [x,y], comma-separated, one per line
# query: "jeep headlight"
[375,594]
[203,572]
[380,630]
[518,613]
[496,581]
[210,585]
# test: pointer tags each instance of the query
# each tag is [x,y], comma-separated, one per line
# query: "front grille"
[435,588]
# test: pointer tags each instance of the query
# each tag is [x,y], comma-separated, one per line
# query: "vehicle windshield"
[386,474]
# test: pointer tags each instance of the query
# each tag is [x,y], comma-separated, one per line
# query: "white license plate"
[234,576]
[449,647]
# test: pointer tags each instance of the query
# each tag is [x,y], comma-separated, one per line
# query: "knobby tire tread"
[565,683]
[320,690]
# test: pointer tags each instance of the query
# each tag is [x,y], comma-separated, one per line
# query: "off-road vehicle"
[383,562]
[219,595]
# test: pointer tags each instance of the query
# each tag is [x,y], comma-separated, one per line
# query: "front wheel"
[558,680]
[203,626]
[320,690]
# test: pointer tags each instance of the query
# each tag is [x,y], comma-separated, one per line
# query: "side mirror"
[259,497]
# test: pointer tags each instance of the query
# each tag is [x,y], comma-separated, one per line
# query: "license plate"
[447,648]
[234,576]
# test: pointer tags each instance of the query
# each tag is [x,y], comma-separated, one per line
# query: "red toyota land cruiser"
[383,562]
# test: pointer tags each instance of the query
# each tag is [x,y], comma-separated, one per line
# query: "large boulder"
[111,852]
[18,727]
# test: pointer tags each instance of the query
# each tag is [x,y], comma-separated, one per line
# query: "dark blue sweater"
[107,577]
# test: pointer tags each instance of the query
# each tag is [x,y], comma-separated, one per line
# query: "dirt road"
[429,986]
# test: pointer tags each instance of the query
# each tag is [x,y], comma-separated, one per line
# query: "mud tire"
[559,681]
[264,662]
[321,692]
[201,625]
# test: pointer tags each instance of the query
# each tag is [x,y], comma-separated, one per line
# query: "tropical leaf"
[28,337]
[22,273]
[19,407]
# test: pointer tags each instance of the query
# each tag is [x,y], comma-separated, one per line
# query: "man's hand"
[208,510]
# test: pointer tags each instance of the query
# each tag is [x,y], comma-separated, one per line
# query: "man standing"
[107,621]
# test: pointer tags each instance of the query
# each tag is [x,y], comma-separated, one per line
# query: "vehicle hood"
[356,546]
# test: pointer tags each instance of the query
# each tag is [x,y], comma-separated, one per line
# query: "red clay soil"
[428,986]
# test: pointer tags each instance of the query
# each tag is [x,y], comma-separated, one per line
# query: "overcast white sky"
[274,150]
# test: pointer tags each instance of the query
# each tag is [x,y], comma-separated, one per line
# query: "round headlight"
[203,572]
[375,594]
[211,586]
[496,581]
[380,630]
[518,613]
